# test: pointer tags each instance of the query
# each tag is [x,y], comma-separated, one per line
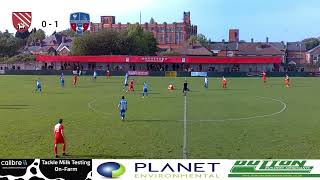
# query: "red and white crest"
[21,21]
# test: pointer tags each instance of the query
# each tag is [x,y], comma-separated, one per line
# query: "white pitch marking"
[94,109]
[284,107]
[185,129]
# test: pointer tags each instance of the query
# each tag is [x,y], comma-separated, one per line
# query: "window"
[178,37]
[315,57]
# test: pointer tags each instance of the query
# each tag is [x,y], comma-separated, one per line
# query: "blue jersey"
[126,78]
[123,104]
[62,78]
[145,86]
[38,83]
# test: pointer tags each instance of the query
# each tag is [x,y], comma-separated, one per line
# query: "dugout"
[162,63]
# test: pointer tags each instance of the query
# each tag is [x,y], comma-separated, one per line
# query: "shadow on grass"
[12,108]
[151,121]
[229,89]
[13,105]
[164,97]
[102,156]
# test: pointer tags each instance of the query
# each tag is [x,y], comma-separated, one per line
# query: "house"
[224,48]
[195,49]
[56,44]
[258,49]
[313,55]
[234,47]
[296,53]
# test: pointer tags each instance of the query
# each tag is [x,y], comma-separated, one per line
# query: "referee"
[185,87]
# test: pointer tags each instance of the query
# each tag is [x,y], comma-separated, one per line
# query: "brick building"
[168,35]
[234,47]
[296,53]
[313,55]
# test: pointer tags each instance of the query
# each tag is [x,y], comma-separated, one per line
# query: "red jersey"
[58,134]
[132,83]
[264,75]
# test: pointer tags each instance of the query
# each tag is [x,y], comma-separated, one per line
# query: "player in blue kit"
[126,79]
[145,89]
[38,86]
[94,77]
[122,107]
[62,80]
[206,82]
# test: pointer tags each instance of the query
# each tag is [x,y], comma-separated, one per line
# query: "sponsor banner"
[199,74]
[138,73]
[161,169]
[46,169]
[171,73]
[2,72]
[275,168]
[157,169]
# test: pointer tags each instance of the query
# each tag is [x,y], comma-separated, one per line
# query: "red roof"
[163,59]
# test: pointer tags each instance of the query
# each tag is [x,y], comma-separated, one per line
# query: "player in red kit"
[108,74]
[131,85]
[264,77]
[75,80]
[224,83]
[59,138]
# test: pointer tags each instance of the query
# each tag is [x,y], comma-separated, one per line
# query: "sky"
[280,20]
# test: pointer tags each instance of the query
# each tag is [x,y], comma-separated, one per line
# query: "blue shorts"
[38,87]
[62,81]
[122,111]
[145,90]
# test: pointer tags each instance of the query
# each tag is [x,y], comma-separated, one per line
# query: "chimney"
[251,40]
[233,35]
[267,39]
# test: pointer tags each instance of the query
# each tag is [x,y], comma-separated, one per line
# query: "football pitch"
[247,120]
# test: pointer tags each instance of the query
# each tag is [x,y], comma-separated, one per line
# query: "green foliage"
[18,58]
[170,53]
[311,43]
[192,40]
[200,38]
[132,41]
[9,45]
[36,36]
[23,35]
[68,32]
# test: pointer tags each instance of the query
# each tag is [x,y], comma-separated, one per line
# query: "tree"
[131,41]
[68,32]
[192,40]
[23,35]
[9,45]
[311,43]
[36,36]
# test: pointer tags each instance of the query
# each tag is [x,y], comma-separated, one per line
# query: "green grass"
[154,126]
